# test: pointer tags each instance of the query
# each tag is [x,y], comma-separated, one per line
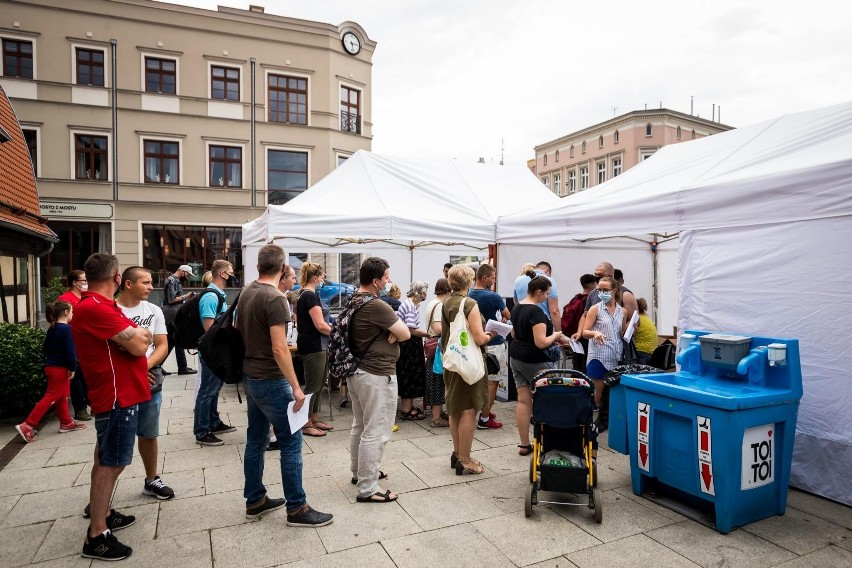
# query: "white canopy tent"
[764,215]
[414,213]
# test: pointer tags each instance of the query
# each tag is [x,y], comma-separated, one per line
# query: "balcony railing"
[350,122]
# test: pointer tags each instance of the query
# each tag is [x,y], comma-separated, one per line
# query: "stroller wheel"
[595,473]
[528,500]
[598,505]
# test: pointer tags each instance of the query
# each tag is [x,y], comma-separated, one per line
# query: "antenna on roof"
[502,150]
[714,112]
[613,110]
[691,104]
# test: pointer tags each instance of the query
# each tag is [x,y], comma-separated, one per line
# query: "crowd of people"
[117,343]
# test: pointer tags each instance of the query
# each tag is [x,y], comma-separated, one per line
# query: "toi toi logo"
[463,338]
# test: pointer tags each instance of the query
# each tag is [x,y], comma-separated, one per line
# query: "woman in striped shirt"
[411,367]
[604,325]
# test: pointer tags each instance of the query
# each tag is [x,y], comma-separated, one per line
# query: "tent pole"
[656,285]
[411,262]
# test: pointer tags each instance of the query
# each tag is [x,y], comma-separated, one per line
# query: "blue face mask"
[320,284]
[605,296]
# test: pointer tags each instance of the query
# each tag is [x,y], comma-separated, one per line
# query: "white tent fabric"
[373,197]
[765,220]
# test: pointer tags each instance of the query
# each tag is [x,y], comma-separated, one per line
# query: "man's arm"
[580,326]
[506,314]
[553,306]
[628,301]
[161,350]
[281,352]
[134,340]
[400,331]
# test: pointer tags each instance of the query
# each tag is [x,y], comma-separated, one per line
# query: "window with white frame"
[600,142]
[615,137]
[677,133]
[160,75]
[557,156]
[162,161]
[224,83]
[571,151]
[601,172]
[17,58]
[226,165]
[645,154]
[341,158]
[572,181]
[545,159]
[89,66]
[584,177]
[648,130]
[350,110]
[288,99]
[545,181]
[616,167]
[287,175]
[693,134]
[91,156]
[31,137]
[557,184]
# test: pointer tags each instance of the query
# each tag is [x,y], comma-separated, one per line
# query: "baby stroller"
[562,461]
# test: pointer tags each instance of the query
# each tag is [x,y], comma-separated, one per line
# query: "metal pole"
[656,284]
[114,74]
[253,139]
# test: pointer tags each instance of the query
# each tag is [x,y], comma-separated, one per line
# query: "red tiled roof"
[18,192]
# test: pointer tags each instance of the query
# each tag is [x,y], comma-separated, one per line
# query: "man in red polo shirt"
[111,349]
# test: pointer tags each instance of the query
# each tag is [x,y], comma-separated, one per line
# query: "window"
[90,67]
[677,133]
[583,147]
[350,110]
[557,155]
[615,137]
[162,161]
[571,151]
[31,137]
[572,181]
[287,175]
[340,159]
[160,75]
[645,154]
[616,167]
[693,134]
[601,172]
[557,184]
[226,166]
[288,99]
[584,177]
[648,130]
[165,247]
[600,142]
[224,83]
[90,156]
[17,58]
[545,181]
[545,159]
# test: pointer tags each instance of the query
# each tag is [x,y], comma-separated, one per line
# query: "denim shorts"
[116,432]
[148,425]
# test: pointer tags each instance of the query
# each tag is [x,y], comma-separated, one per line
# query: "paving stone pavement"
[440,519]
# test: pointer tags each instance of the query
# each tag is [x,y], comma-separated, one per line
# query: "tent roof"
[794,167]
[378,197]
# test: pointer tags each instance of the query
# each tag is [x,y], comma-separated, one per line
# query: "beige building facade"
[591,156]
[138,116]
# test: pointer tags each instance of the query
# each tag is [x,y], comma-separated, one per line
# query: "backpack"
[188,327]
[571,314]
[223,349]
[342,362]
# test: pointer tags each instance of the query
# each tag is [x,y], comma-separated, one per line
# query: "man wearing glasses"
[207,422]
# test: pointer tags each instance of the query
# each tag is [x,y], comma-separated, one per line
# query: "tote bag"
[463,355]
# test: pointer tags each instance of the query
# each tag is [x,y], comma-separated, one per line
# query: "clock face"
[351,43]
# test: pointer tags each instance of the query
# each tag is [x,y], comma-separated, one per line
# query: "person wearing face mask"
[410,367]
[207,423]
[76,283]
[312,315]
[173,298]
[111,349]
[374,334]
[603,327]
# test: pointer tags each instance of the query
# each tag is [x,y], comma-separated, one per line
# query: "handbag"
[492,364]
[430,343]
[463,355]
[437,365]
[553,352]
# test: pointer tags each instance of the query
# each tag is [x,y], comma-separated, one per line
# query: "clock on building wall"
[351,43]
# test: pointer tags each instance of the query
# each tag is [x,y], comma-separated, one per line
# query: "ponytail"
[55,310]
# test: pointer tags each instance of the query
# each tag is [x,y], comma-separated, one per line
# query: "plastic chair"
[661,358]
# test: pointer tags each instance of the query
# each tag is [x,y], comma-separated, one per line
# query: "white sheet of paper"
[498,327]
[631,327]
[298,419]
[576,346]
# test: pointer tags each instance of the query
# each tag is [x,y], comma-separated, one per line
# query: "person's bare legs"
[436,412]
[523,413]
[599,387]
[454,432]
[100,493]
[148,452]
[466,426]
[492,396]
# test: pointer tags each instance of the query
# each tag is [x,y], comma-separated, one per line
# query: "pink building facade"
[591,156]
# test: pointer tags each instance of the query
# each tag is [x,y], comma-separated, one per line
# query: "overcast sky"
[452,78]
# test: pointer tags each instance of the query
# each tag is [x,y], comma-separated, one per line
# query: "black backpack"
[223,349]
[342,363]
[188,327]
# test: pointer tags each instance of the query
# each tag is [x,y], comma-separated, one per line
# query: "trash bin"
[617,437]
[714,440]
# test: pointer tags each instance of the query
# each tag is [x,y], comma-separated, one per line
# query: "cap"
[185,268]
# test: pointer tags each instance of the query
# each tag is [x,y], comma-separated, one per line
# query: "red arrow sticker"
[705,455]
[643,417]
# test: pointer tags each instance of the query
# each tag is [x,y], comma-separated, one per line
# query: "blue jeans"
[267,402]
[207,402]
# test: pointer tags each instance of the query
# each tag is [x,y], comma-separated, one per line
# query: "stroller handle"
[561,373]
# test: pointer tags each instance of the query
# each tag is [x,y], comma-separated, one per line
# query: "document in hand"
[631,327]
[497,327]
[576,346]
[298,419]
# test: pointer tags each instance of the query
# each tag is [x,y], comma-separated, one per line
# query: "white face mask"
[81,287]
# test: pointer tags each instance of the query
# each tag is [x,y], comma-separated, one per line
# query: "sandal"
[525,450]
[413,414]
[311,431]
[382,475]
[382,497]
[320,425]
[469,466]
[440,423]
[344,403]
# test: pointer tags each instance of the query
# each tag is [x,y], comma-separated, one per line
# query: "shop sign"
[65,209]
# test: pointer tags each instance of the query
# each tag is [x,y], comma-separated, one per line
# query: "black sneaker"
[187,371]
[209,440]
[265,505]
[273,446]
[224,429]
[158,489]
[115,521]
[307,517]
[105,547]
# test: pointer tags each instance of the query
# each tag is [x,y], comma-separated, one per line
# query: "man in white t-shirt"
[136,285]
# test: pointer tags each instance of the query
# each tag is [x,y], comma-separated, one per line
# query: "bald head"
[604,269]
